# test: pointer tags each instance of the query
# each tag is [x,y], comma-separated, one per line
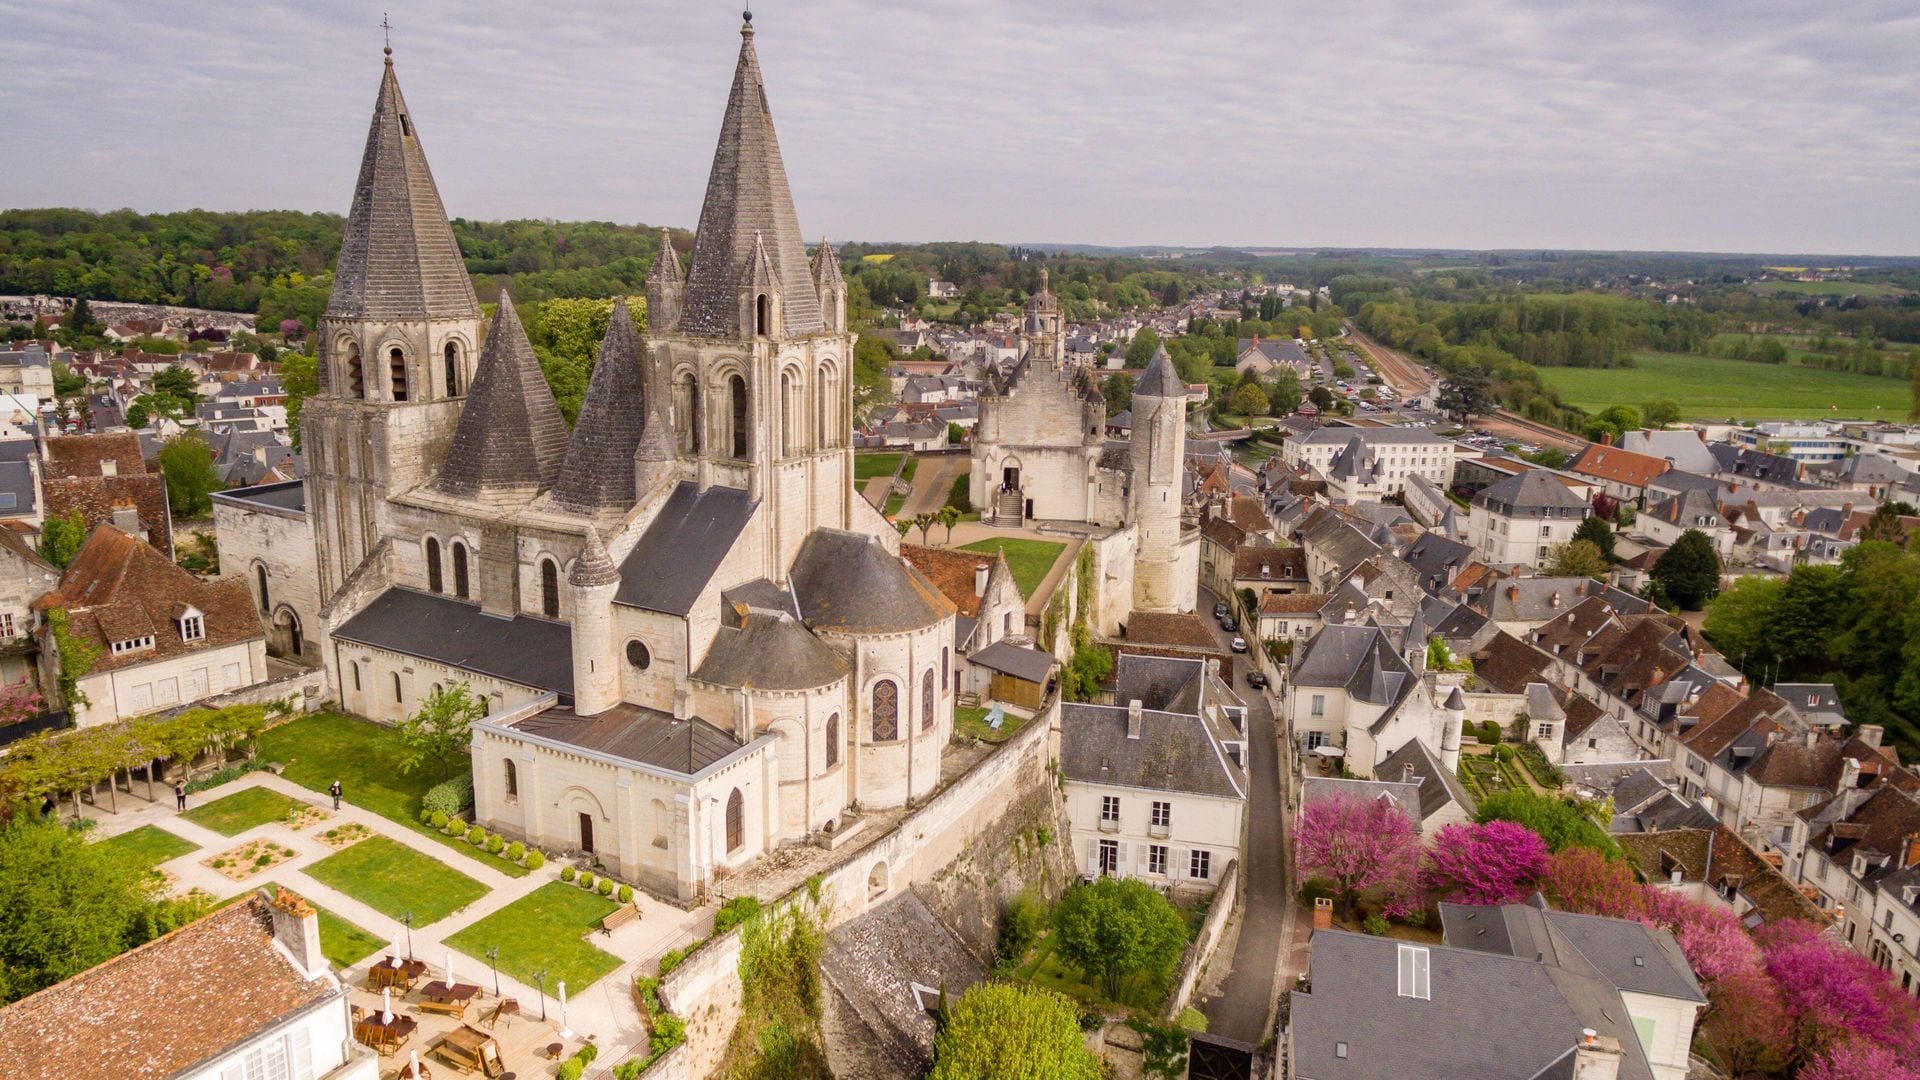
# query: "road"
[1247,996]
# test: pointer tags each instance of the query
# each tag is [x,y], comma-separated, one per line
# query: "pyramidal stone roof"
[748,206]
[1159,379]
[598,471]
[398,259]
[511,438]
[826,265]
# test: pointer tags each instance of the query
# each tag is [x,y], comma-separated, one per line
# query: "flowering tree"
[1496,863]
[1583,880]
[1834,996]
[1747,1023]
[1858,1059]
[1362,844]
[19,701]
[1714,942]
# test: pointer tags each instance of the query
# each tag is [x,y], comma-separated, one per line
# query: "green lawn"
[1044,969]
[344,943]
[957,494]
[1709,388]
[1029,559]
[547,928]
[393,879]
[234,814]
[973,722]
[907,470]
[894,503]
[148,846]
[868,466]
[320,748]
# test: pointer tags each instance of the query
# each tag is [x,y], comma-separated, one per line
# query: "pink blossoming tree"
[1362,844]
[1584,880]
[1498,862]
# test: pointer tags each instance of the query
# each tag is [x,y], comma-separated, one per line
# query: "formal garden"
[546,930]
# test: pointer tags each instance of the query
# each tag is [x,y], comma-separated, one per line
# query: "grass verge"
[148,846]
[393,879]
[1030,560]
[547,928]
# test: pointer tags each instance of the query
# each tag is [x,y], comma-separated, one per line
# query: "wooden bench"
[619,917]
[445,1008]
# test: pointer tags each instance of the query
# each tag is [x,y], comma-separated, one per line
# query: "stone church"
[1040,454]
[695,640]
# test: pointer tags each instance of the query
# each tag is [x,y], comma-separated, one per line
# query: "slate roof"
[1529,494]
[1437,559]
[1175,752]
[1358,659]
[398,259]
[683,547]
[16,489]
[635,733]
[1019,661]
[1438,785]
[119,589]
[597,472]
[747,222]
[848,582]
[524,650]
[511,437]
[1162,683]
[1159,380]
[1340,436]
[771,652]
[162,1009]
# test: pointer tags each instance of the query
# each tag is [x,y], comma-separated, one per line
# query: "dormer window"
[120,648]
[191,623]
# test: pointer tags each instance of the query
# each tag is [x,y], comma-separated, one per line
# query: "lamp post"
[406,920]
[493,961]
[540,980]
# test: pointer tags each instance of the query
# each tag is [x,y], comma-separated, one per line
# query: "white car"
[1239,644]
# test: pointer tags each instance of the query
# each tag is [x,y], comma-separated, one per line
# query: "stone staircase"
[1007,510]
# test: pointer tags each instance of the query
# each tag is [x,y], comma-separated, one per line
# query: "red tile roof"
[117,589]
[951,572]
[1619,466]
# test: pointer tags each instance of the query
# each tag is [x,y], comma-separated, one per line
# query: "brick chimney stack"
[1133,719]
[296,928]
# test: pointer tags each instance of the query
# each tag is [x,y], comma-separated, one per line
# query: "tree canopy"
[440,730]
[1117,928]
[1562,821]
[1002,1031]
[187,463]
[1688,573]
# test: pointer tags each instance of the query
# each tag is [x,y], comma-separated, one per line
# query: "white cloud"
[1484,123]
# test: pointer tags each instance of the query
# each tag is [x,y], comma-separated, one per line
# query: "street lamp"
[493,961]
[406,920]
[540,980]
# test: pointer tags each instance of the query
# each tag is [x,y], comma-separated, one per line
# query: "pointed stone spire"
[666,287]
[653,458]
[1159,379]
[594,566]
[747,194]
[826,267]
[511,438]
[398,259]
[597,475]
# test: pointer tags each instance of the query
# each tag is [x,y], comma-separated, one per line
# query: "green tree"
[1562,821]
[440,730]
[1141,349]
[66,383]
[1002,1031]
[300,377]
[66,905]
[187,463]
[949,516]
[1660,414]
[1689,571]
[1115,929]
[179,382]
[1283,391]
[1597,531]
[1248,400]
[1612,423]
[1579,558]
[1321,397]
[80,321]
[1465,394]
[1118,390]
[137,416]
[1740,622]
[61,536]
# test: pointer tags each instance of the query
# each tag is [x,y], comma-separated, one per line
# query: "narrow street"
[1246,998]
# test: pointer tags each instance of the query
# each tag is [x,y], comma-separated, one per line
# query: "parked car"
[1239,644]
[1220,610]
[1229,624]
[1256,680]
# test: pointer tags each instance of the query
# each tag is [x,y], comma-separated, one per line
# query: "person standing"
[335,792]
[180,794]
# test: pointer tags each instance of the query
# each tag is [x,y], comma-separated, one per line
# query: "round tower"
[596,672]
[1157,452]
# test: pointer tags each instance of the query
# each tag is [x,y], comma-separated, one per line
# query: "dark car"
[1256,680]
[1228,624]
[1220,610]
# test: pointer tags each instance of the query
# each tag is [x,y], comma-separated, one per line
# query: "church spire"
[747,196]
[598,472]
[398,259]
[666,286]
[511,437]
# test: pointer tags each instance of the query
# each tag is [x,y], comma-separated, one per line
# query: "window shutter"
[1177,864]
[1120,857]
[1093,856]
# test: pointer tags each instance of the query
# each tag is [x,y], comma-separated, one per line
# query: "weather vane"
[386,31]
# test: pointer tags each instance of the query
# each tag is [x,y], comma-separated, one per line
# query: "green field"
[547,928]
[1028,559]
[393,879]
[147,846]
[242,810]
[1828,288]
[1708,388]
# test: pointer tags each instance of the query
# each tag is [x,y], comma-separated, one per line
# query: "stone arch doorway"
[286,638]
[877,880]
[1010,474]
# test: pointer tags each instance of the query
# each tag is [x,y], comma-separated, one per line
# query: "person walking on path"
[335,792]
[180,794]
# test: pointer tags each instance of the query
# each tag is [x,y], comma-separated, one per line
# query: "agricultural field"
[1709,388]
[1828,288]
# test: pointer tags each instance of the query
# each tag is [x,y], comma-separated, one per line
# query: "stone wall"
[1194,961]
[253,538]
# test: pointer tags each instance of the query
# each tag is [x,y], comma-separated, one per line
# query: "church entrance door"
[586,833]
[1010,477]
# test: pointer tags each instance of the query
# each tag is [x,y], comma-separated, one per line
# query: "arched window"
[826,407]
[926,701]
[356,378]
[459,569]
[736,821]
[356,677]
[399,696]
[789,416]
[686,412]
[434,583]
[833,740]
[737,392]
[549,588]
[260,576]
[886,711]
[760,310]
[453,370]
[513,778]
[946,666]
[397,370]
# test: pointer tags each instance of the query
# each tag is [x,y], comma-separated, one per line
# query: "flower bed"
[241,863]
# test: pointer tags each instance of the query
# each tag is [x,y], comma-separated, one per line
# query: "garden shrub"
[569,1069]
[450,797]
[606,886]
[477,835]
[626,894]
[1020,926]
[1374,925]
[1490,733]
[568,873]
[426,815]
[669,1031]
[734,912]
[495,843]
[586,881]
[1318,888]
[536,859]
[516,851]
[671,959]
[438,820]
[628,1069]
[587,1053]
[455,827]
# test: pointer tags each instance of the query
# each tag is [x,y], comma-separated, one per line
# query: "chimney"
[980,580]
[1871,734]
[1513,592]
[1606,438]
[1813,738]
[296,928]
[1406,773]
[126,518]
[1323,913]
[1133,719]
[1554,600]
[1596,1058]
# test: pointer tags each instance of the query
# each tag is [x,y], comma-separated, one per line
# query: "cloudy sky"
[1727,125]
